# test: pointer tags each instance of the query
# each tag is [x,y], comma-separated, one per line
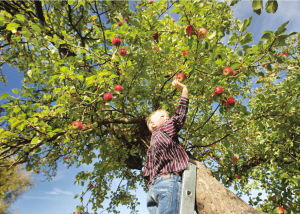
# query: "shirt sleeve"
[176,122]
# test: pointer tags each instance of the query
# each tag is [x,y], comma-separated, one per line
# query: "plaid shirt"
[165,155]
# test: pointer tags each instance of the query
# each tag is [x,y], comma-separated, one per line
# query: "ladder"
[188,192]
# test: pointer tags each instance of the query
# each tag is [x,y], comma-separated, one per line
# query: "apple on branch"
[185,53]
[118,88]
[234,72]
[237,176]
[155,36]
[227,71]
[189,30]
[234,159]
[230,101]
[202,33]
[107,96]
[126,19]
[281,209]
[181,76]
[284,54]
[218,90]
[122,51]
[76,125]
[116,41]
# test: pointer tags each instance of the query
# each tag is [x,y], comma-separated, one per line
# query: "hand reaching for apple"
[178,85]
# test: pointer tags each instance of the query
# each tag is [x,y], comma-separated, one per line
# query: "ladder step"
[188,192]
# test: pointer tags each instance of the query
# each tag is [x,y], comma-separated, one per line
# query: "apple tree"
[94,70]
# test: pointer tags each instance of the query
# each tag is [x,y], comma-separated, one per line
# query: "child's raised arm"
[177,120]
[180,86]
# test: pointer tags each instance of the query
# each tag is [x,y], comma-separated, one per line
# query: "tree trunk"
[212,197]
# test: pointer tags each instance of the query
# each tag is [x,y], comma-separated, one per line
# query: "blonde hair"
[148,119]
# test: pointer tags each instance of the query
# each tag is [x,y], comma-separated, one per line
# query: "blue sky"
[56,196]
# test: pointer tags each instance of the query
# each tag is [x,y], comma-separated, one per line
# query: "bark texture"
[212,197]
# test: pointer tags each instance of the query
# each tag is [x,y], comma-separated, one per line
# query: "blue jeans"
[164,195]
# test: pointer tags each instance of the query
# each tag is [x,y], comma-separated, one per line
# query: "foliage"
[13,182]
[64,50]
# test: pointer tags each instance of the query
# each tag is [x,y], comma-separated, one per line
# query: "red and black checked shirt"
[165,155]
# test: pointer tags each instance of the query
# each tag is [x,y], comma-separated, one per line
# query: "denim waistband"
[160,178]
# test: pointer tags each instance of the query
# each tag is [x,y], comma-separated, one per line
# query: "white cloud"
[57,191]
[39,198]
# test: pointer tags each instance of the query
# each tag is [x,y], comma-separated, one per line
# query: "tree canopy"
[243,121]
[13,182]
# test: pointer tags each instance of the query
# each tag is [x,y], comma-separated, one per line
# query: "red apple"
[227,71]
[237,176]
[155,36]
[185,53]
[234,159]
[37,171]
[107,96]
[119,23]
[189,30]
[202,33]
[284,54]
[118,88]
[126,19]
[234,72]
[116,41]
[77,212]
[218,90]
[76,125]
[281,209]
[181,76]
[90,185]
[122,51]
[83,127]
[230,101]
[67,157]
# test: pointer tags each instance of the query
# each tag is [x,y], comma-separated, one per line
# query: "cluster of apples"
[119,23]
[229,101]
[109,96]
[116,41]
[201,33]
[227,71]
[78,125]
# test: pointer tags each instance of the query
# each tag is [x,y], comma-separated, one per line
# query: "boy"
[166,159]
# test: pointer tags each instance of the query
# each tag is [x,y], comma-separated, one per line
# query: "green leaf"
[258,12]
[12,27]
[281,29]
[281,40]
[20,17]
[5,95]
[233,2]
[246,23]
[257,4]
[271,6]
[36,28]
[15,91]
[72,2]
[268,35]
[35,140]
[247,38]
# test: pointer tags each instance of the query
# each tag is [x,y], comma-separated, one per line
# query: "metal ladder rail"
[188,192]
